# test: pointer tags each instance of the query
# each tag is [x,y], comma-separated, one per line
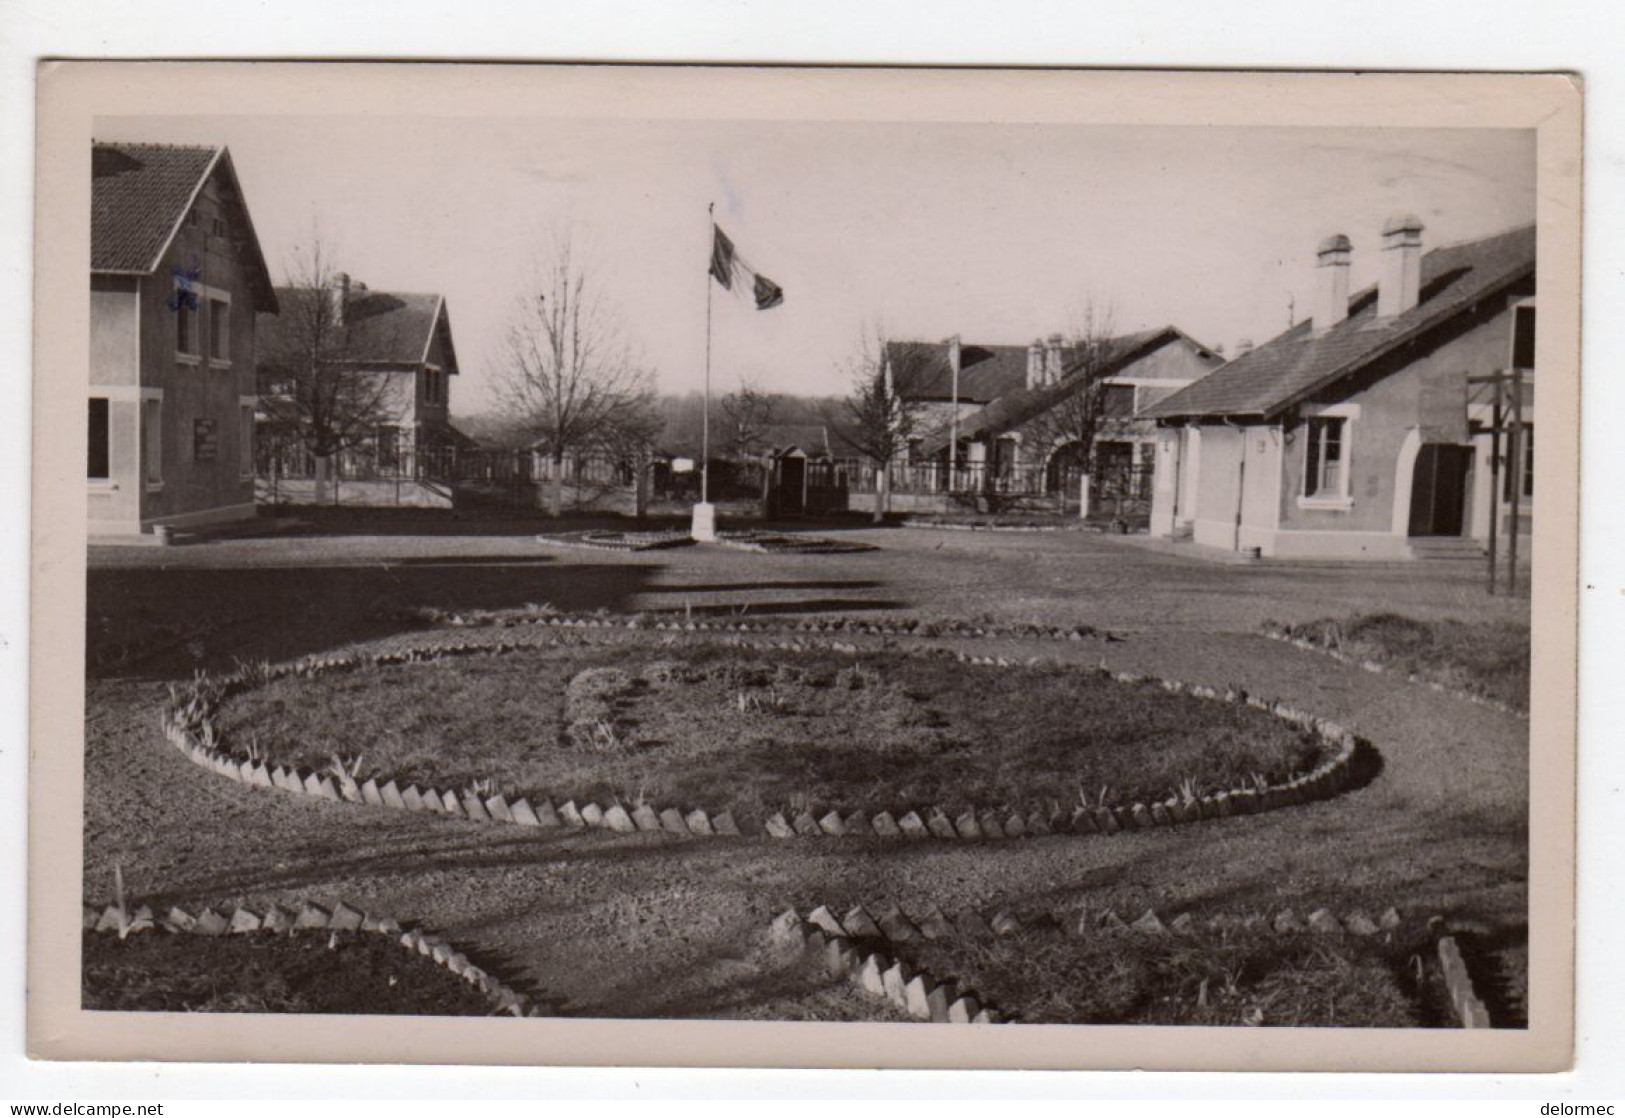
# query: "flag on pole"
[730,270]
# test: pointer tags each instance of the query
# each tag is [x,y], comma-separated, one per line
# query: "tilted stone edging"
[911,990]
[1277,633]
[933,630]
[892,923]
[778,543]
[341,918]
[1469,1008]
[838,940]
[193,733]
[951,526]
[616,541]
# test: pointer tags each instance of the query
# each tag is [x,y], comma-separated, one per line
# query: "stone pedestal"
[705,523]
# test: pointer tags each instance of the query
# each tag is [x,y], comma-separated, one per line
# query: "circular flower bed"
[758,733]
[606,540]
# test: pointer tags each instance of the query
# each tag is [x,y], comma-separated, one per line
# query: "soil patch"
[720,727]
[337,972]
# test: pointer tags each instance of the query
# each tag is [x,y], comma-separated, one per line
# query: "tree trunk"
[558,485]
[642,477]
[882,492]
[323,470]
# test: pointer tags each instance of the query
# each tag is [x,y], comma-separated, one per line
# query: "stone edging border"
[600,540]
[891,923]
[933,630]
[1469,1007]
[972,526]
[756,541]
[821,931]
[342,918]
[1279,633]
[913,991]
[189,728]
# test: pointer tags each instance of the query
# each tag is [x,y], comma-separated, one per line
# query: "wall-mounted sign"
[205,440]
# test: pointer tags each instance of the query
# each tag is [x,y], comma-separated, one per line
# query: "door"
[1439,489]
[792,496]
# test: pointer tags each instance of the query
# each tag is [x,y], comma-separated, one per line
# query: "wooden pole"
[1495,474]
[1515,477]
[705,416]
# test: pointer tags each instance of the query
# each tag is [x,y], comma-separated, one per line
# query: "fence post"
[1083,496]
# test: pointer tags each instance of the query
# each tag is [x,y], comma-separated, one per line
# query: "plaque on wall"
[205,440]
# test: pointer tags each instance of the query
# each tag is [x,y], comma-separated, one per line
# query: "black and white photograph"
[963,572]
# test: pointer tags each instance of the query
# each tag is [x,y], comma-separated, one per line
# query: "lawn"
[326,972]
[1213,977]
[1489,659]
[706,725]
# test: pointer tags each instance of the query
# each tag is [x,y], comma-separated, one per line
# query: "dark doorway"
[1439,489]
[790,495]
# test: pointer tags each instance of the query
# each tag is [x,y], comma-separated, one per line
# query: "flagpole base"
[704,528]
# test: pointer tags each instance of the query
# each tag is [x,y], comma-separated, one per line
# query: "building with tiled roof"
[397,345]
[177,281]
[1368,430]
[996,407]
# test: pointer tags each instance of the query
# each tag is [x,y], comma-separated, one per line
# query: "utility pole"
[1506,417]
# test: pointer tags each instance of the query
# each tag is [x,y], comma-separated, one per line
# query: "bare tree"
[568,375]
[315,388]
[882,411]
[1072,414]
[749,412]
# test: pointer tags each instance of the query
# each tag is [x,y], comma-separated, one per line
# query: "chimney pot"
[1035,363]
[1400,286]
[1052,359]
[1332,290]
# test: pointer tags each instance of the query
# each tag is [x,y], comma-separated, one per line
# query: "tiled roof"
[1021,404]
[986,372]
[139,193]
[812,438]
[1299,363]
[381,327]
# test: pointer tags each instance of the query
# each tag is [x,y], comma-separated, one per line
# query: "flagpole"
[705,417]
[704,525]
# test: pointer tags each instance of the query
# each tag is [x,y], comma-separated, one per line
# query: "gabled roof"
[811,439]
[394,328]
[986,372]
[141,193]
[1020,405]
[1299,363]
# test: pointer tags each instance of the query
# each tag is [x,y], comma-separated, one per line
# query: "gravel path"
[653,925]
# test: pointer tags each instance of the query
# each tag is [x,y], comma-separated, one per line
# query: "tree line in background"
[570,385]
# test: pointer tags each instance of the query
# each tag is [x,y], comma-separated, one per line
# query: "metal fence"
[444,465]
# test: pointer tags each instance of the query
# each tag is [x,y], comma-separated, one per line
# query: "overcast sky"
[998,233]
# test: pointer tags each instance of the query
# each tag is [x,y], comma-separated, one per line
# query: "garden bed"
[759,732]
[611,540]
[1208,977]
[790,543]
[1486,659]
[309,972]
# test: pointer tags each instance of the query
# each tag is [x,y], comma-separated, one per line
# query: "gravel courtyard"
[650,925]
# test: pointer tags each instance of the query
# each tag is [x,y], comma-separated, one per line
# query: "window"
[1523,336]
[1526,447]
[98,467]
[1117,401]
[152,440]
[220,331]
[245,439]
[1327,474]
[186,339]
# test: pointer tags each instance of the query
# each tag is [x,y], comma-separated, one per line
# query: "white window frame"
[1512,335]
[212,297]
[193,356]
[106,483]
[1343,499]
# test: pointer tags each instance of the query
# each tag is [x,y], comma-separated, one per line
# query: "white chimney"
[340,293]
[1035,363]
[1052,360]
[1332,287]
[1400,286]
